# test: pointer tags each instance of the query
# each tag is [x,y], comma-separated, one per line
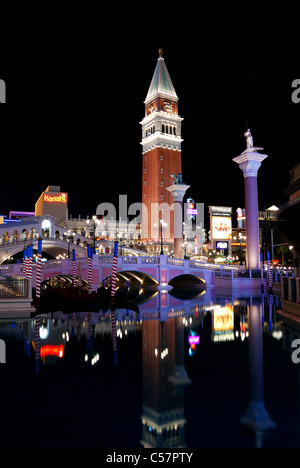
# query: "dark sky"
[75,100]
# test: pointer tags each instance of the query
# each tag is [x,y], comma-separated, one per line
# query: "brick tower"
[161,141]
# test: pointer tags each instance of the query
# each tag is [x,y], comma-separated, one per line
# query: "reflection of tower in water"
[163,394]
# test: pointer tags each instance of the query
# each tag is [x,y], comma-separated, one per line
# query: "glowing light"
[52,350]
[194,340]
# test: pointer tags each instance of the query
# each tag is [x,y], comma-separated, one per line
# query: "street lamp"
[240,239]
[162,226]
[93,222]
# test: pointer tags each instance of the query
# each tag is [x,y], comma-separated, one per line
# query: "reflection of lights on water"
[44,332]
[94,359]
[66,336]
[163,353]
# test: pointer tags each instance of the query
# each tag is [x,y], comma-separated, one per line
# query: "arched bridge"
[52,246]
[160,271]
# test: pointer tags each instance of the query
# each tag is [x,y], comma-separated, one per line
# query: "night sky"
[75,100]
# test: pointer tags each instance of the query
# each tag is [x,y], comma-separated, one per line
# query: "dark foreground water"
[186,371]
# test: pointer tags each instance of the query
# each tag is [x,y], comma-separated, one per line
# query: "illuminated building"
[161,141]
[53,202]
[290,213]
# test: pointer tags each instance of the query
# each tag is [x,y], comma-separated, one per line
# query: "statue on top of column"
[249,139]
[177,179]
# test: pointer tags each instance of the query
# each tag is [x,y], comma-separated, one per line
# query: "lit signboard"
[221,227]
[61,198]
[223,320]
[191,210]
[222,245]
[220,210]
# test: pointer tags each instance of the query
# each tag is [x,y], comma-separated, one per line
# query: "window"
[161,184]
[161,157]
[162,197]
[162,170]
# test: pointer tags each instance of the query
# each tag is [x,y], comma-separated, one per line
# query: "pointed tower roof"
[161,83]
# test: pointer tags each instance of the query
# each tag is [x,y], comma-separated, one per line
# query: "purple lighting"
[194,340]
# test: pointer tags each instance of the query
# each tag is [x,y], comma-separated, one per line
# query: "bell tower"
[161,142]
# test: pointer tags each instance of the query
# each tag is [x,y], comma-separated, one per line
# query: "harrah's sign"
[61,198]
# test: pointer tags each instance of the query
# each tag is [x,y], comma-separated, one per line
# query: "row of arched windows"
[169,129]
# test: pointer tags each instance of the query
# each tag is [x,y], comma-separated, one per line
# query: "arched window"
[46,228]
[24,234]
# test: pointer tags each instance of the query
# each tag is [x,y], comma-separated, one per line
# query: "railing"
[33,240]
[13,288]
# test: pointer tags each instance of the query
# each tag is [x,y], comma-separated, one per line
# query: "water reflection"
[256,417]
[194,356]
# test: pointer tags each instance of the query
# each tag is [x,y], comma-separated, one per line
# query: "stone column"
[249,162]
[178,191]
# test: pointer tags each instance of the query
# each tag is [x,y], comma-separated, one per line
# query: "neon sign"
[61,198]
[194,340]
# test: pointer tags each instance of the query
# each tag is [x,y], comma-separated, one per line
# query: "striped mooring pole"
[113,308]
[90,267]
[29,261]
[39,270]
[37,343]
[74,267]
[24,263]
[262,273]
[270,282]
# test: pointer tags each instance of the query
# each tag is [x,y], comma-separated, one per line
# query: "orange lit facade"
[161,141]
[53,202]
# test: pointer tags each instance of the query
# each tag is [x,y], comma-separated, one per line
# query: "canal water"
[187,368]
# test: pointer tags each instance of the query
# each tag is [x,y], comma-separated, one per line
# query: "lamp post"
[161,227]
[94,222]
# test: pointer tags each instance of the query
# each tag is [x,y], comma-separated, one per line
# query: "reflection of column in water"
[256,417]
[270,311]
[179,376]
[114,334]
[37,344]
[89,333]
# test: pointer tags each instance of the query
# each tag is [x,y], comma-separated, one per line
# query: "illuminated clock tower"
[161,141]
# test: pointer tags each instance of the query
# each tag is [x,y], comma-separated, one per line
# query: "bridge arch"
[187,281]
[134,277]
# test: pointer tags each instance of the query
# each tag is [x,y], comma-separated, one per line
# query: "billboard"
[223,324]
[221,228]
